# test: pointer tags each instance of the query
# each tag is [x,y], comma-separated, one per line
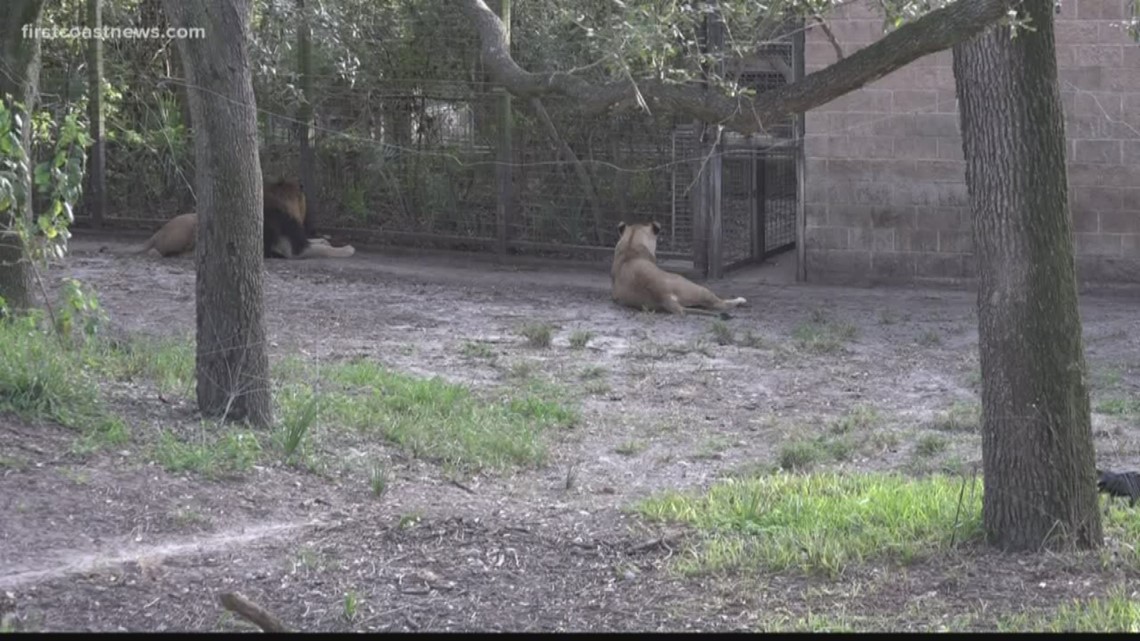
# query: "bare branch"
[934,32]
[830,35]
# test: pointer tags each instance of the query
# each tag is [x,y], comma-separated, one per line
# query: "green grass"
[434,419]
[818,522]
[211,455]
[537,335]
[804,453]
[1116,612]
[630,448]
[472,349]
[166,363]
[931,445]
[859,417]
[822,335]
[580,338]
[41,380]
[960,417]
[722,334]
[1123,406]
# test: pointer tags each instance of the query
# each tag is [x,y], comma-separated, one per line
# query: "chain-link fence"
[411,146]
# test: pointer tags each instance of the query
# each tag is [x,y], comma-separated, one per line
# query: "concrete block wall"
[886,198]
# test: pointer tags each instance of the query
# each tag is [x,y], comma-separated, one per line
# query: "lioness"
[638,282]
[176,237]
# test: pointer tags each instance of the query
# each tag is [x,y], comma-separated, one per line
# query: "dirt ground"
[111,541]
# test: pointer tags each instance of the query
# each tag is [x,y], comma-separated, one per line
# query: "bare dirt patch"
[113,541]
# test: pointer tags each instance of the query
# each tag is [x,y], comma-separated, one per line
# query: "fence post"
[305,117]
[714,192]
[504,173]
[698,202]
[97,178]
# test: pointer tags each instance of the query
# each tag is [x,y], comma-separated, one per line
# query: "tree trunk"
[19,80]
[1037,450]
[97,177]
[232,357]
[305,120]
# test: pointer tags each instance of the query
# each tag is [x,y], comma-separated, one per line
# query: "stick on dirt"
[250,611]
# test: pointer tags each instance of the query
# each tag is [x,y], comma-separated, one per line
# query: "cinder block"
[1120,222]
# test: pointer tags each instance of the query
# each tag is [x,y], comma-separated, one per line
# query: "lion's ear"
[656,228]
[621,227]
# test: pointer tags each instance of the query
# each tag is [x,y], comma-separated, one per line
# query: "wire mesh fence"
[411,144]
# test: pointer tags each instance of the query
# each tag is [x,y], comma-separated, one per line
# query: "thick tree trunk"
[232,356]
[19,81]
[1037,450]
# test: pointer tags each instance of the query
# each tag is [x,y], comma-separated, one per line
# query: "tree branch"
[934,32]
[237,603]
[830,36]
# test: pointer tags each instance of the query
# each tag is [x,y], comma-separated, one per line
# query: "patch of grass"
[598,388]
[800,455]
[859,417]
[1117,612]
[656,351]
[810,622]
[931,445]
[297,410]
[804,453]
[13,463]
[167,363]
[630,448]
[822,335]
[1105,378]
[186,517]
[751,340]
[44,379]
[378,479]
[434,419]
[818,522]
[722,334]
[522,369]
[580,338]
[1123,406]
[40,380]
[213,457]
[888,317]
[537,335]
[351,604]
[473,349]
[411,519]
[930,338]
[592,373]
[712,447]
[960,417]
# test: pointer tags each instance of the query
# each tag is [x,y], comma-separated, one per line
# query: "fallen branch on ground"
[252,612]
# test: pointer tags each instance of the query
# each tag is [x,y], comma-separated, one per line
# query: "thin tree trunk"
[1037,449]
[97,177]
[305,120]
[19,79]
[232,357]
